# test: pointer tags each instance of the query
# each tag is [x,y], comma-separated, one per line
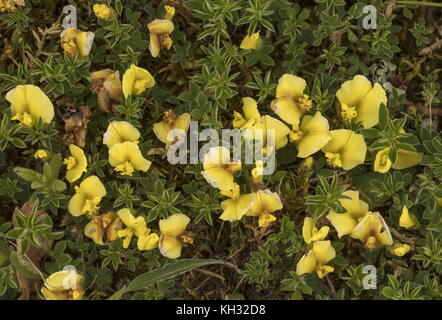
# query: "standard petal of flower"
[324,252]
[120,131]
[368,108]
[354,152]
[17,98]
[307,264]
[93,187]
[290,85]
[161,26]
[75,205]
[344,223]
[354,206]
[352,91]
[406,159]
[175,225]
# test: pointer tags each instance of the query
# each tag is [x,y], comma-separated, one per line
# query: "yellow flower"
[43,154]
[75,42]
[346,149]
[264,204]
[311,135]
[102,11]
[310,233]
[126,157]
[136,227]
[237,206]
[291,102]
[360,101]
[252,42]
[257,172]
[405,159]
[76,164]
[173,235]
[28,103]
[268,127]
[160,29]
[316,260]
[63,285]
[400,249]
[355,209]
[87,197]
[251,114]
[119,132]
[218,170]
[382,162]
[136,80]
[372,231]
[170,12]
[408,220]
[107,85]
[106,224]
[163,129]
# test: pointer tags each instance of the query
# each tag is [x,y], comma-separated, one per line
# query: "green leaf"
[24,266]
[170,271]
[117,295]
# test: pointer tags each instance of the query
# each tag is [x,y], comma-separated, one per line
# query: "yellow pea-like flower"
[310,233]
[311,135]
[237,206]
[264,204]
[76,164]
[87,197]
[126,157]
[360,101]
[102,11]
[252,42]
[136,80]
[136,227]
[372,231]
[119,132]
[316,260]
[291,102]
[172,128]
[400,249]
[28,104]
[218,169]
[346,149]
[382,162]
[356,209]
[251,114]
[107,224]
[173,235]
[63,285]
[76,42]
[407,220]
[160,30]
[405,159]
